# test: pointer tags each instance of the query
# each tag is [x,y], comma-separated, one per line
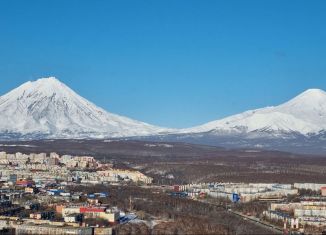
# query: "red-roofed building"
[92,209]
[92,212]
[24,183]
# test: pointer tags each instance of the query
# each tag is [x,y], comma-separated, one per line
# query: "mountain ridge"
[48,109]
[305,114]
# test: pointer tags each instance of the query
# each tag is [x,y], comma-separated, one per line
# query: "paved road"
[255,220]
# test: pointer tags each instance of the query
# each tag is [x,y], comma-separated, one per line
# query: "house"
[92,201]
[54,192]
[46,215]
[73,218]
[24,183]
[111,216]
[30,190]
[323,191]
[64,194]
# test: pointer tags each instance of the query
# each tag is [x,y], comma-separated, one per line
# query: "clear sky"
[166,62]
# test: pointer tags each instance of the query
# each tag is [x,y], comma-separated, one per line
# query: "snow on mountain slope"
[48,107]
[304,114]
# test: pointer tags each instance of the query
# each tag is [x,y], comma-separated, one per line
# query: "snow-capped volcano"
[48,108]
[304,114]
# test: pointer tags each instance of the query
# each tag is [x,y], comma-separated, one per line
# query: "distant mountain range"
[47,108]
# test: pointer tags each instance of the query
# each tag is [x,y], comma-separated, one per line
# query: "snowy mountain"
[304,114]
[298,125]
[47,108]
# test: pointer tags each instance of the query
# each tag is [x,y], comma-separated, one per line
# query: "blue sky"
[169,63]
